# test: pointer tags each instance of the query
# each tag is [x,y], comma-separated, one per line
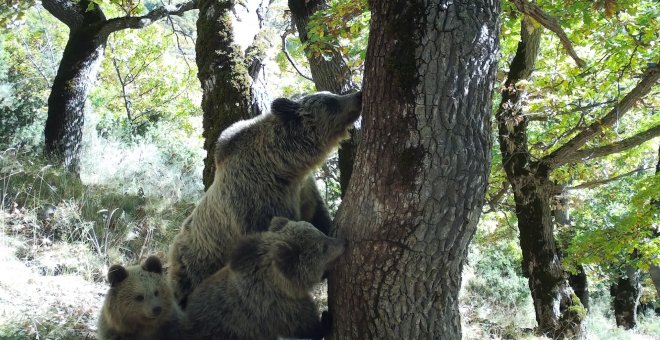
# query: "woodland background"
[141,162]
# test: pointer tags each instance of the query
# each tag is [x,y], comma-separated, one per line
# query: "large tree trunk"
[330,73]
[223,74]
[88,34]
[559,312]
[421,170]
[66,104]
[625,293]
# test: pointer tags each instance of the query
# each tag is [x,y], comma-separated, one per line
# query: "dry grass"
[39,299]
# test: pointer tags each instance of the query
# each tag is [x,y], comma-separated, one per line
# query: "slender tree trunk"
[654,270]
[66,104]
[223,74]
[421,170]
[330,73]
[559,312]
[625,293]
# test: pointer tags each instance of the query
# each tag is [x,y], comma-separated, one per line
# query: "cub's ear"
[116,274]
[278,223]
[287,258]
[284,108]
[152,264]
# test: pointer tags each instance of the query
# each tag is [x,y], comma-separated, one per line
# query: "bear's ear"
[287,258]
[278,223]
[285,108]
[152,264]
[116,274]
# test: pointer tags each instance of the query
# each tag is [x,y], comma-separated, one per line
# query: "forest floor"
[55,291]
[39,299]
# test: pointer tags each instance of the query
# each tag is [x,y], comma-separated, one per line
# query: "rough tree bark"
[223,74]
[421,170]
[88,33]
[330,73]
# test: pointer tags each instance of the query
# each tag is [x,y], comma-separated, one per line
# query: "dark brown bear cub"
[263,168]
[139,304]
[263,293]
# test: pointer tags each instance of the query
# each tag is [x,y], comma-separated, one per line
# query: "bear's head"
[295,251]
[325,114]
[303,253]
[139,296]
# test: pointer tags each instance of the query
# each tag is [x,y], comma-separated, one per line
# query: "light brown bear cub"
[139,304]
[263,293]
[262,170]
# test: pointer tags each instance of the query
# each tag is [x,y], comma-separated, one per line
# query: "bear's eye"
[139,297]
[156,293]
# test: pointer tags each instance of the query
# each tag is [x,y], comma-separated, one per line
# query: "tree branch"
[593,184]
[550,23]
[288,57]
[69,12]
[616,147]
[495,198]
[118,24]
[560,155]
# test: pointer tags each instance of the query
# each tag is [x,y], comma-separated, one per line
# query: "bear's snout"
[157,310]
[337,247]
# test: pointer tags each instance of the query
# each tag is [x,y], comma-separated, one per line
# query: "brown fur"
[139,304]
[262,165]
[263,293]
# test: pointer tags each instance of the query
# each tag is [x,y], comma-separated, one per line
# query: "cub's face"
[140,293]
[304,253]
[327,114]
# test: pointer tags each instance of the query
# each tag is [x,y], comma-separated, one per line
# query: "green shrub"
[495,294]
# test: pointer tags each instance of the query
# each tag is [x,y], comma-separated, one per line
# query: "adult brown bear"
[262,169]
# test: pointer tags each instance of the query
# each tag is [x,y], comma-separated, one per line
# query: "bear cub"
[263,292]
[139,304]
[263,169]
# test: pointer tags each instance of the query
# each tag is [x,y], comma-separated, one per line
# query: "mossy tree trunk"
[330,73]
[223,74]
[559,312]
[88,33]
[421,170]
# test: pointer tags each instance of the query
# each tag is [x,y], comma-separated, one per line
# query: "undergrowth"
[59,233]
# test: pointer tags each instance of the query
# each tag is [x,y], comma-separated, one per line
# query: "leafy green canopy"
[610,227]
